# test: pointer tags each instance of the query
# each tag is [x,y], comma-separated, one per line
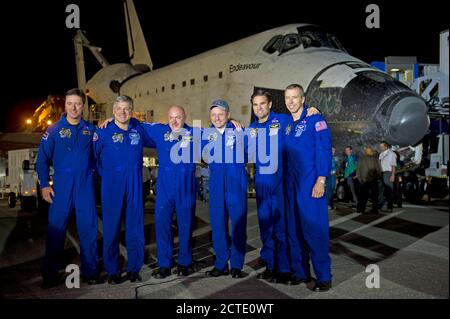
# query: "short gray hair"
[296,86]
[124,98]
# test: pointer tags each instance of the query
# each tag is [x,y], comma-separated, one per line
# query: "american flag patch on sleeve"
[45,136]
[321,125]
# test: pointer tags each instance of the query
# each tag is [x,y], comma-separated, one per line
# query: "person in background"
[350,164]
[330,182]
[388,161]
[198,182]
[398,197]
[146,177]
[368,173]
[205,182]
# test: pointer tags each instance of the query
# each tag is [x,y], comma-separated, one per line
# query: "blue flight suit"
[308,146]
[226,155]
[270,189]
[119,156]
[175,189]
[68,148]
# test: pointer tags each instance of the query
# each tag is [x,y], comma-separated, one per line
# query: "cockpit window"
[282,44]
[335,42]
[307,37]
[290,41]
[309,41]
[274,44]
[319,37]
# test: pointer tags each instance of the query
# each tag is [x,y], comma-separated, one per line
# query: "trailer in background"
[22,180]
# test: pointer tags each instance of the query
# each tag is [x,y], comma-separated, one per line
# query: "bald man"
[175,188]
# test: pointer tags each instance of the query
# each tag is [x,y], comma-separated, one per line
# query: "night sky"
[38,54]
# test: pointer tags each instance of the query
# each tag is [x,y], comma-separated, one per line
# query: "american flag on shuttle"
[321,125]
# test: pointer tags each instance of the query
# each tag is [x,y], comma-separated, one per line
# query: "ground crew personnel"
[67,146]
[119,151]
[308,149]
[330,185]
[388,161]
[224,151]
[350,165]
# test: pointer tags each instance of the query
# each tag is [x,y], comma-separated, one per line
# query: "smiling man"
[308,149]
[224,148]
[119,152]
[67,146]
[176,144]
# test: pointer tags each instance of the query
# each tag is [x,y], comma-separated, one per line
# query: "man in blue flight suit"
[67,146]
[266,139]
[308,149]
[224,149]
[119,152]
[178,147]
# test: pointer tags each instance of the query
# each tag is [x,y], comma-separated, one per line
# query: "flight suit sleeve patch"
[320,126]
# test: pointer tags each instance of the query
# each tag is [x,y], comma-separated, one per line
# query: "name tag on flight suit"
[186,139]
[273,129]
[135,137]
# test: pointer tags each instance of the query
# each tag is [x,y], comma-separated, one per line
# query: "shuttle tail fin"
[137,47]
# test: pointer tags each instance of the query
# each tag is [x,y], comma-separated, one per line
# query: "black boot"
[184,270]
[282,278]
[161,273]
[237,273]
[217,272]
[268,274]
[321,286]
[133,276]
[294,280]
[115,279]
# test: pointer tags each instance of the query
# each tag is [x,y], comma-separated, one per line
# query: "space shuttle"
[362,105]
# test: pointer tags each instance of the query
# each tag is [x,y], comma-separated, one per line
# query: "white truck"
[437,181]
[22,179]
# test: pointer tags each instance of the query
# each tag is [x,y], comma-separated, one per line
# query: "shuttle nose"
[408,122]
